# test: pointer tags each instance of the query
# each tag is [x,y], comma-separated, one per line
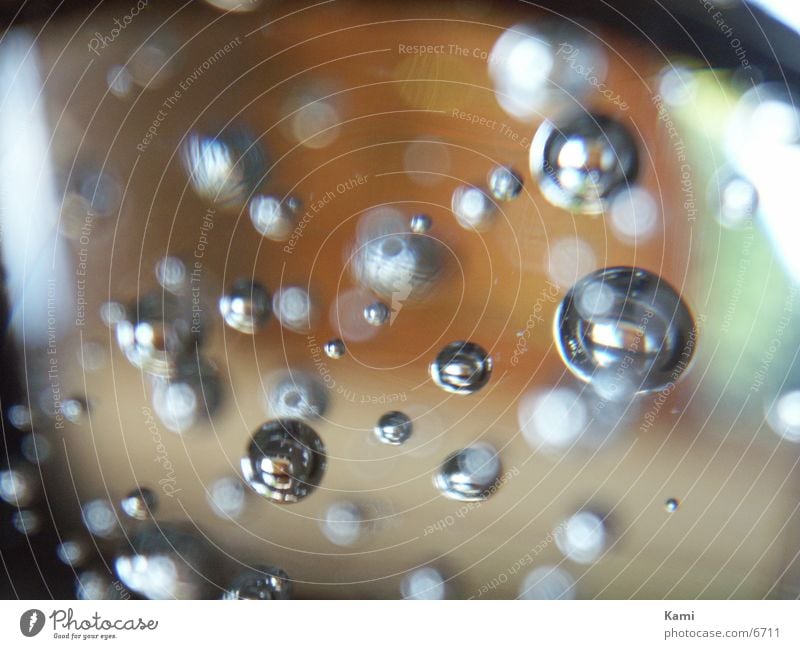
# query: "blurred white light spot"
[568,260]
[634,215]
[582,537]
[553,419]
[547,582]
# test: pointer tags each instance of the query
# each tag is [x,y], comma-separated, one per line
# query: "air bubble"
[140,504]
[672,505]
[473,208]
[272,218]
[99,518]
[163,562]
[376,314]
[246,306]
[26,521]
[294,309]
[260,583]
[470,474]
[19,416]
[297,395]
[171,274]
[161,330]
[18,486]
[461,367]
[579,163]
[35,448]
[342,523]
[226,169]
[227,498]
[192,394]
[505,183]
[393,428]
[641,343]
[582,537]
[74,409]
[70,553]
[398,265]
[285,461]
[424,583]
[335,348]
[420,223]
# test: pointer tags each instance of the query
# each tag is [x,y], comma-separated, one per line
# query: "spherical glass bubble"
[140,504]
[505,183]
[272,218]
[191,395]
[461,368]
[246,306]
[393,428]
[399,265]
[260,583]
[626,331]
[580,161]
[285,461]
[470,474]
[159,331]
[224,169]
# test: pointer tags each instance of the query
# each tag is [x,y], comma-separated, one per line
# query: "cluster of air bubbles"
[783,415]
[420,223]
[504,183]
[537,70]
[171,274]
[192,394]
[226,497]
[163,562]
[272,217]
[99,518]
[70,553]
[733,199]
[343,523]
[470,474]
[224,169]
[473,208]
[672,505]
[246,306]
[19,416]
[626,331]
[18,486]
[377,314]
[26,521]
[294,308]
[397,264]
[424,583]
[74,409]
[547,582]
[583,537]
[260,583]
[296,395]
[284,461]
[335,348]
[159,331]
[140,504]
[393,428]
[581,161]
[461,368]
[35,448]
[634,215]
